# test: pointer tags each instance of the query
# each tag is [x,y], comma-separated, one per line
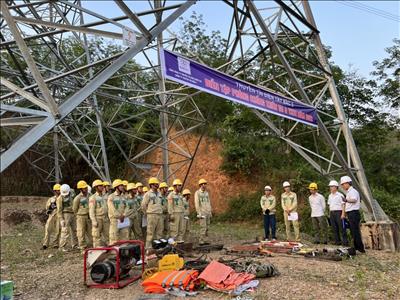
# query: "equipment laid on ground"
[170,262]
[160,282]
[280,247]
[113,266]
[209,247]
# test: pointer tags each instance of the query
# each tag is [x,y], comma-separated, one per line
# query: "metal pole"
[37,132]
[163,98]
[304,96]
[351,146]
[56,155]
[95,104]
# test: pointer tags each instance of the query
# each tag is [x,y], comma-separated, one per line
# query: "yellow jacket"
[116,206]
[268,203]
[64,205]
[132,208]
[81,205]
[175,203]
[151,203]
[289,201]
[202,203]
[97,207]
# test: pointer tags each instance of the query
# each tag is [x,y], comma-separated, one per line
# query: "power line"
[371,10]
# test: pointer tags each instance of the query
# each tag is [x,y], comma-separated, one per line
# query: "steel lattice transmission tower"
[50,103]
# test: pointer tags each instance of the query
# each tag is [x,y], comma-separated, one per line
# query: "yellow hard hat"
[97,182]
[177,182]
[131,186]
[139,184]
[163,185]
[117,182]
[313,186]
[145,189]
[186,192]
[56,187]
[153,180]
[81,184]
[170,189]
[106,183]
[202,181]
[125,182]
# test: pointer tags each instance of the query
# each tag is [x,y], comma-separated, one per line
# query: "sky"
[356,37]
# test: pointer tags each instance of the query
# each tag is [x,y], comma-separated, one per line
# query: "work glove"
[267,212]
[171,218]
[62,223]
[94,224]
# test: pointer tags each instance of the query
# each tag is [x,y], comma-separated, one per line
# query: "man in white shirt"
[335,202]
[351,209]
[317,204]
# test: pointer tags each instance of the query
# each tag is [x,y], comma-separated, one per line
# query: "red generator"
[114,266]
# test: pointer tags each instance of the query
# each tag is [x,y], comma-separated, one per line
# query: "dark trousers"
[337,228]
[320,224]
[270,221]
[354,220]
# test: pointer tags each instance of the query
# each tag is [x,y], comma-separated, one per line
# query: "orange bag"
[167,279]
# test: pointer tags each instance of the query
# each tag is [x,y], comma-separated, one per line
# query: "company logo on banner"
[201,77]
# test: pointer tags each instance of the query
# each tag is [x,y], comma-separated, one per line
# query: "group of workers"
[343,211]
[123,211]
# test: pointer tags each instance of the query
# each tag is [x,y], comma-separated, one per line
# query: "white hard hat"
[345,179]
[267,187]
[286,183]
[65,189]
[333,183]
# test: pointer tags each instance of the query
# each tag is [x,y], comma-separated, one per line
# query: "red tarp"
[223,278]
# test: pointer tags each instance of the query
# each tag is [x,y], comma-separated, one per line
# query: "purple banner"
[188,72]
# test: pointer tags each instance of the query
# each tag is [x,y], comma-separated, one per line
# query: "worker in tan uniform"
[164,203]
[107,187]
[132,211]
[107,191]
[186,219]
[268,204]
[202,204]
[97,214]
[125,184]
[52,226]
[66,217]
[153,209]
[139,198]
[116,212]
[176,212]
[289,206]
[81,211]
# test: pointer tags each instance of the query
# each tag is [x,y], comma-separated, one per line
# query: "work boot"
[44,247]
[316,242]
